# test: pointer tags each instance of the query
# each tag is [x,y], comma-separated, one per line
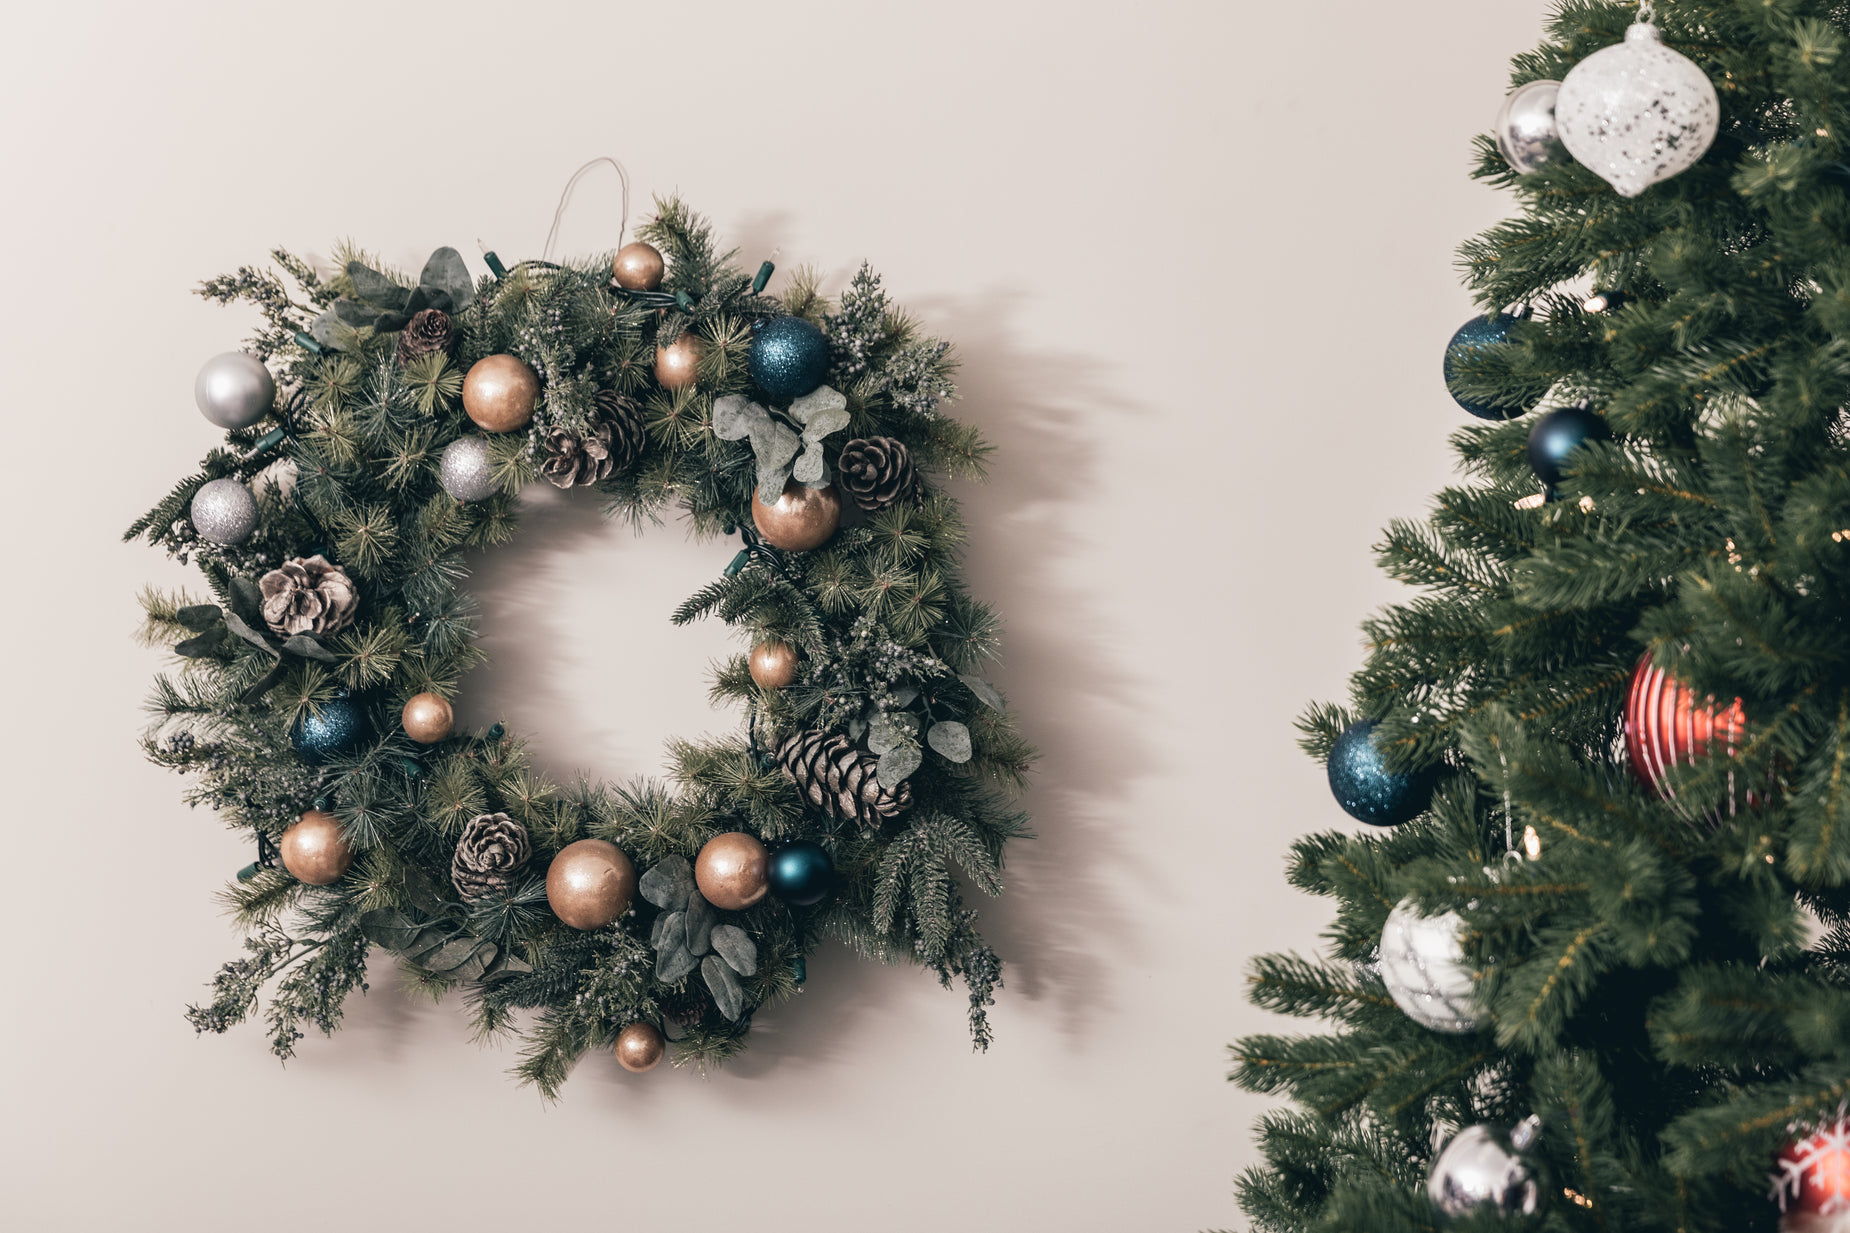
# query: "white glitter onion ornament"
[1637,112]
[1423,965]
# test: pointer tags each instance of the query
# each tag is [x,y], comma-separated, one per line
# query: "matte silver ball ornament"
[1424,968]
[234,390]
[1526,132]
[1487,1169]
[224,512]
[467,471]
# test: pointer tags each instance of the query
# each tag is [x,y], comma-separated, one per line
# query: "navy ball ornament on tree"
[1364,786]
[801,873]
[1472,336]
[789,357]
[234,390]
[1557,435]
[338,727]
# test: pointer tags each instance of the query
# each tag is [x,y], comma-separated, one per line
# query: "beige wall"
[1197,257]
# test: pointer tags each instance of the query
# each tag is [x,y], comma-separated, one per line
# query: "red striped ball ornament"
[1666,725]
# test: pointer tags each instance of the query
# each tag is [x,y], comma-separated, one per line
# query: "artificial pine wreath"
[379,429]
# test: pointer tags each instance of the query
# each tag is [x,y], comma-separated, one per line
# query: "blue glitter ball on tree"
[789,357]
[340,727]
[1557,435]
[1363,785]
[1473,334]
[801,873]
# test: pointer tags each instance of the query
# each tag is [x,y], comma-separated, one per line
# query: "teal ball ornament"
[801,873]
[789,357]
[1366,789]
[1473,335]
[1557,435]
[339,727]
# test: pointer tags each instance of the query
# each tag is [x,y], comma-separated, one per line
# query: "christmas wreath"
[379,428]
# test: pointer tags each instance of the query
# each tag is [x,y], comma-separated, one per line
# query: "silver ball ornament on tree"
[234,390]
[1423,966]
[1526,132]
[1488,1170]
[467,472]
[224,512]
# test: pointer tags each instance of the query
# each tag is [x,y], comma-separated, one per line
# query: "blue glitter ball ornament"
[1363,785]
[1557,435]
[1475,333]
[790,357]
[339,728]
[801,873]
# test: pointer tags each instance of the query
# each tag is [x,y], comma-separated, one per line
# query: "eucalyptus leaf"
[856,727]
[375,288]
[236,625]
[670,932]
[247,598]
[774,446]
[389,928]
[450,956]
[387,323]
[668,884]
[727,995]
[435,297]
[736,947]
[905,695]
[821,411]
[700,921]
[199,617]
[265,683]
[446,271]
[418,300]
[735,417]
[890,730]
[355,315]
[308,648]
[672,966]
[505,967]
[476,965]
[897,764]
[951,739]
[811,469]
[984,691]
[201,645]
[331,332]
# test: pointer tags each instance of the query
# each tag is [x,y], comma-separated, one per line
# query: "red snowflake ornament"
[1811,1180]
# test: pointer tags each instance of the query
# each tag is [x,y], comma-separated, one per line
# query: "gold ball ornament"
[314,851]
[640,1047]
[590,883]
[773,664]
[733,871]
[428,719]
[803,517]
[675,363]
[500,392]
[638,267]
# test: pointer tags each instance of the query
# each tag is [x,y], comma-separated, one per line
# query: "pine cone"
[613,444]
[878,472]
[839,779]
[493,848]
[430,330]
[308,595]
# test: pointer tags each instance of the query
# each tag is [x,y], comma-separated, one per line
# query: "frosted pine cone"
[308,595]
[839,779]
[492,850]
[878,472]
[430,329]
[612,444]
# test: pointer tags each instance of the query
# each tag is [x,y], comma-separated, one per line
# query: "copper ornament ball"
[640,1047]
[638,267]
[428,719]
[590,883]
[314,851]
[802,519]
[500,392]
[733,871]
[675,363]
[773,664]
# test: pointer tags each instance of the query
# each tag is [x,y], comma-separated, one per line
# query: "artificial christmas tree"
[1659,957]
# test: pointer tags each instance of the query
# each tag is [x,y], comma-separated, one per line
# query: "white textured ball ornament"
[467,472]
[1526,133]
[234,390]
[1637,112]
[224,512]
[1423,965]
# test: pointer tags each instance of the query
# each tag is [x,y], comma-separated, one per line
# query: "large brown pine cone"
[878,472]
[613,444]
[493,849]
[308,595]
[430,330]
[839,779]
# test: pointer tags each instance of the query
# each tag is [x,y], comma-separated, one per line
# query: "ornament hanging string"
[565,199]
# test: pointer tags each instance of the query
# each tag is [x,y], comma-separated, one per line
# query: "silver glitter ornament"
[1423,965]
[467,472]
[224,512]
[1526,128]
[1487,1169]
[234,390]
[1637,112]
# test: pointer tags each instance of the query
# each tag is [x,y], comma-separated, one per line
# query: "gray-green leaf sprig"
[775,444]
[379,302]
[687,935]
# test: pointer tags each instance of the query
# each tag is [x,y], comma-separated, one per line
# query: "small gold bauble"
[500,392]
[675,363]
[639,1047]
[774,664]
[638,267]
[428,719]
[589,884]
[313,850]
[802,519]
[733,871]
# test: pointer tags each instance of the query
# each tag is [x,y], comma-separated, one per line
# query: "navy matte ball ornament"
[801,873]
[1557,435]
[339,727]
[1366,789]
[789,358]
[1473,334]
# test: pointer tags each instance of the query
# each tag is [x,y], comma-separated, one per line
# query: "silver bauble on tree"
[1526,133]
[1637,112]
[234,390]
[467,471]
[224,512]
[1423,966]
[1486,1169]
